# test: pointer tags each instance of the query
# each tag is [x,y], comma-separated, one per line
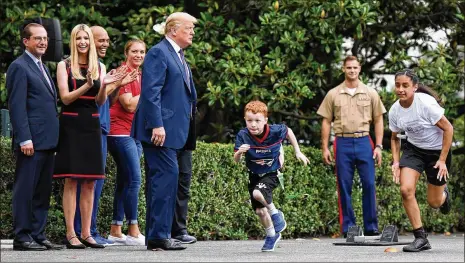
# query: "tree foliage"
[286,52]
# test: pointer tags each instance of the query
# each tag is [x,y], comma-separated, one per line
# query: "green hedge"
[220,207]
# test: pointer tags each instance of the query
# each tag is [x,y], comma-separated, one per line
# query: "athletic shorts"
[422,160]
[265,184]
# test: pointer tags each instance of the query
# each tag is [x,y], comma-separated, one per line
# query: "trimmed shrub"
[220,209]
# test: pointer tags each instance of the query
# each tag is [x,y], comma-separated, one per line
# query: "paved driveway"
[445,248]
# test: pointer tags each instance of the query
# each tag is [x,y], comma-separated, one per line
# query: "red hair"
[256,107]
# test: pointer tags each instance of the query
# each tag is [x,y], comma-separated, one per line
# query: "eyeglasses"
[40,39]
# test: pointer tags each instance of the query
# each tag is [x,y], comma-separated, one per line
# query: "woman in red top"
[126,152]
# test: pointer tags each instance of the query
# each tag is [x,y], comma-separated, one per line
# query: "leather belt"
[353,134]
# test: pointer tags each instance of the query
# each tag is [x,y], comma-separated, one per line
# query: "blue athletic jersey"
[104,111]
[263,155]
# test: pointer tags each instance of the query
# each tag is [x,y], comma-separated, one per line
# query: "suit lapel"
[52,89]
[36,69]
[178,61]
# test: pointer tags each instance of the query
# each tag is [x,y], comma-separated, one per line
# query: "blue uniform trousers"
[357,153]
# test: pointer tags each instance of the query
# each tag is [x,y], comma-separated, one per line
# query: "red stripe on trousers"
[373,148]
[339,205]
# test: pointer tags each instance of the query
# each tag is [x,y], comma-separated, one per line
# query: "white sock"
[272,209]
[270,231]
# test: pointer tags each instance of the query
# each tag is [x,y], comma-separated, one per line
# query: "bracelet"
[395,164]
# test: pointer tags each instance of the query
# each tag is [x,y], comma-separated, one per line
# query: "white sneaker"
[119,241]
[135,241]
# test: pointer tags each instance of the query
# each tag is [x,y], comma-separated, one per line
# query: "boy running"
[262,145]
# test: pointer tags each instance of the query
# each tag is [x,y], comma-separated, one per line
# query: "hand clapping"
[90,81]
[132,76]
[115,74]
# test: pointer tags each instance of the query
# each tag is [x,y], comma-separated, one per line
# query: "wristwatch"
[380,146]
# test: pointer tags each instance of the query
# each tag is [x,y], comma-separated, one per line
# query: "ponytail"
[422,88]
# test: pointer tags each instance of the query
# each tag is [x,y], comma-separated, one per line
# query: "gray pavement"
[445,249]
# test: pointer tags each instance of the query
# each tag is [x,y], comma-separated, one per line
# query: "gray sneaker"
[103,241]
[118,241]
[186,239]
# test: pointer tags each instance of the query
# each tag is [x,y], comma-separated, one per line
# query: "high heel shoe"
[91,245]
[71,246]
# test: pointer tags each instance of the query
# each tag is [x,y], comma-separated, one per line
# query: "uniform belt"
[353,134]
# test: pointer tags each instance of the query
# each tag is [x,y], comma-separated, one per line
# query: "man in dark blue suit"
[33,112]
[162,123]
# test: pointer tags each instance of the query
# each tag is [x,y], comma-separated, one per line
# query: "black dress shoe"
[164,244]
[186,239]
[27,246]
[49,245]
[371,233]
[91,245]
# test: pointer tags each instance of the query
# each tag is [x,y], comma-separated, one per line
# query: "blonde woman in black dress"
[79,155]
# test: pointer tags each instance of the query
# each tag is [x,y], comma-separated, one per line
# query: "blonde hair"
[175,20]
[92,58]
[350,58]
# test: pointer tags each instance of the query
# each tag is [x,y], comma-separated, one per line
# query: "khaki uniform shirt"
[351,113]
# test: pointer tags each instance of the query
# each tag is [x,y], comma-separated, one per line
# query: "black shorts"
[265,184]
[423,160]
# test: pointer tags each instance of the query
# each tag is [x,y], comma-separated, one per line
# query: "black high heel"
[71,246]
[91,245]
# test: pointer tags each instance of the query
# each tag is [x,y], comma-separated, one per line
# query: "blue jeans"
[98,187]
[126,152]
